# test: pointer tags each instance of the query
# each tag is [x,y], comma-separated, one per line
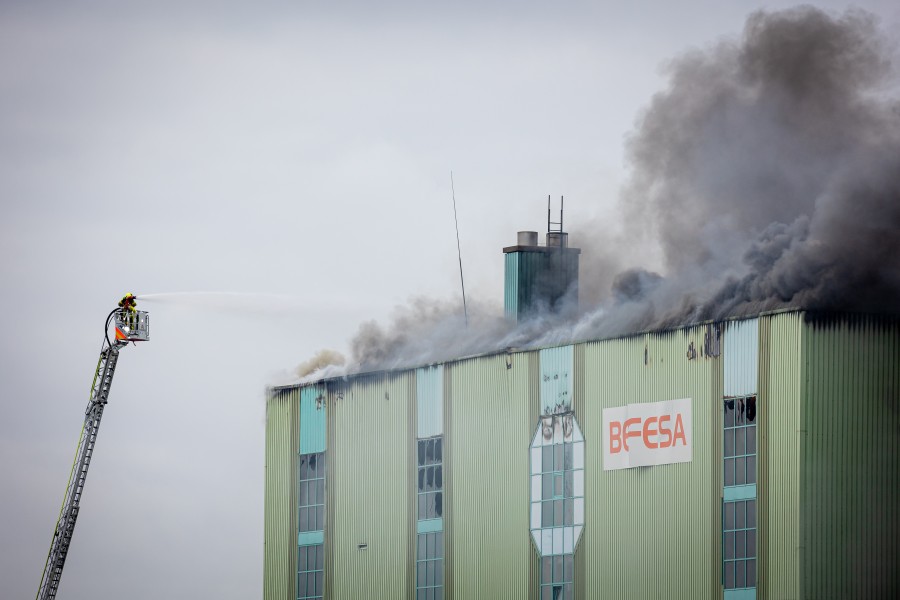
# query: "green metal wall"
[280,518]
[781,374]
[490,424]
[578,406]
[653,532]
[534,406]
[370,483]
[850,486]
[828,479]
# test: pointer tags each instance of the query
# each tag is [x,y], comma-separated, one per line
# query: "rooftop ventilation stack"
[541,278]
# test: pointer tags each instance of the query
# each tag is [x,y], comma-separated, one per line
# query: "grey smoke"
[768,171]
[321,361]
[765,175]
[427,330]
[633,285]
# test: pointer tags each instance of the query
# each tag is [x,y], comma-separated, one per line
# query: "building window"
[430,479]
[430,542]
[739,544]
[739,504]
[558,577]
[740,441]
[311,515]
[557,502]
[430,566]
[310,567]
[557,486]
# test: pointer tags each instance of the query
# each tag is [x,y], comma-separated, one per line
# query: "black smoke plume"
[766,175]
[769,172]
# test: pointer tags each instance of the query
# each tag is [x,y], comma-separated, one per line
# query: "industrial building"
[747,458]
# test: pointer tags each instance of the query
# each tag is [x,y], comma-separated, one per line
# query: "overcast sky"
[298,152]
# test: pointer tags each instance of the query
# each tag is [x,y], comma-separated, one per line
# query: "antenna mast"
[459,251]
[551,223]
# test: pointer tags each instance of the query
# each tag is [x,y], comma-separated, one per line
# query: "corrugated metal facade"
[538,277]
[448,491]
[511,285]
[488,436]
[653,532]
[827,485]
[369,492]
[578,369]
[280,520]
[533,360]
[781,375]
[850,487]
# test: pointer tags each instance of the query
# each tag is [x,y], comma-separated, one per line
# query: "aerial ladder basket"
[130,325]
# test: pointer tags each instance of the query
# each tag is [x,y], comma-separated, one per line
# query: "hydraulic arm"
[131,325]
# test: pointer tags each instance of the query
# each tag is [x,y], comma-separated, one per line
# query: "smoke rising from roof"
[766,175]
[322,360]
[769,170]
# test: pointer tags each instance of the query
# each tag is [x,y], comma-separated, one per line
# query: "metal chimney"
[540,278]
[527,238]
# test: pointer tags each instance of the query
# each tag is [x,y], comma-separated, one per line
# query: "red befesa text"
[653,432]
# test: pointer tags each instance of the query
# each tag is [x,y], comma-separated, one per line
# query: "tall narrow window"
[557,502]
[739,545]
[557,577]
[739,505]
[740,441]
[430,566]
[431,479]
[430,538]
[311,491]
[310,568]
[311,516]
[558,485]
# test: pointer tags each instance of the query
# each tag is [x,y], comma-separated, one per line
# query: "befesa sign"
[652,433]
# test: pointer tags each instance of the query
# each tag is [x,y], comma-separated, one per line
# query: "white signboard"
[652,433]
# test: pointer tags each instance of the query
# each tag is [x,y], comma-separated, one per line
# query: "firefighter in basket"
[128,304]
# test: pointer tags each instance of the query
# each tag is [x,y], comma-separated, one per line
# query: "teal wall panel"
[429,525]
[511,285]
[557,379]
[740,492]
[740,357]
[538,279]
[429,401]
[312,419]
[310,538]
